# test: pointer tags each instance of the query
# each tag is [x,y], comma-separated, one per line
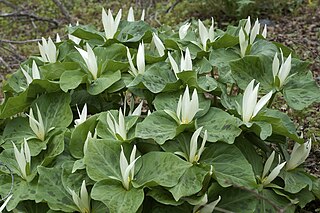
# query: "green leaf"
[102,159]
[225,41]
[295,181]
[253,67]
[281,123]
[221,125]
[14,105]
[134,31]
[316,187]
[86,32]
[274,202]
[50,188]
[160,168]
[53,71]
[237,200]
[190,183]
[118,199]
[21,191]
[263,48]
[163,196]
[159,126]
[229,165]
[261,128]
[103,82]
[301,92]
[72,79]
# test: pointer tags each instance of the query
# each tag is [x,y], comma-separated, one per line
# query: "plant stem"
[271,100]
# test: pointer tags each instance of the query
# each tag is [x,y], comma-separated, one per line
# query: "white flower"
[194,152]
[82,116]
[131,15]
[183,30]
[110,24]
[137,111]
[81,200]
[254,31]
[73,38]
[185,62]
[5,203]
[264,32]
[140,61]
[281,73]
[187,108]
[206,34]
[48,51]
[274,173]
[37,126]
[250,106]
[90,60]
[127,169]
[299,154]
[35,73]
[117,128]
[204,206]
[23,158]
[158,43]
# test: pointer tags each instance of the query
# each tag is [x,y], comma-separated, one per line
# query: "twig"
[30,15]
[5,63]
[19,42]
[63,10]
[172,6]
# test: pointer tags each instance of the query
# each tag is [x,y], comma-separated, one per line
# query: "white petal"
[84,196]
[247,108]
[211,31]
[137,111]
[268,164]
[83,54]
[130,15]
[122,126]
[210,207]
[194,145]
[275,172]
[42,51]
[242,42]
[132,158]
[174,65]
[140,59]
[159,45]
[35,71]
[110,122]
[284,70]
[41,125]
[52,51]
[92,62]
[264,32]
[58,38]
[142,15]
[183,30]
[179,108]
[254,31]
[106,24]
[26,75]
[204,140]
[275,65]
[5,203]
[299,155]
[248,26]
[204,34]
[185,106]
[133,69]
[263,101]
[27,153]
[117,22]
[123,163]
[193,105]
[188,61]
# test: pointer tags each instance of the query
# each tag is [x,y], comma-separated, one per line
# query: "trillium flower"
[158,44]
[81,200]
[37,126]
[183,30]
[131,15]
[206,34]
[194,152]
[267,179]
[137,111]
[73,38]
[187,108]
[127,168]
[23,158]
[280,73]
[247,35]
[110,24]
[5,203]
[35,73]
[140,61]
[185,62]
[82,116]
[117,127]
[48,51]
[299,154]
[90,60]
[250,106]
[204,206]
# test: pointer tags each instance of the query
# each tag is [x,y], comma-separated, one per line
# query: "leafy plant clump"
[137,119]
